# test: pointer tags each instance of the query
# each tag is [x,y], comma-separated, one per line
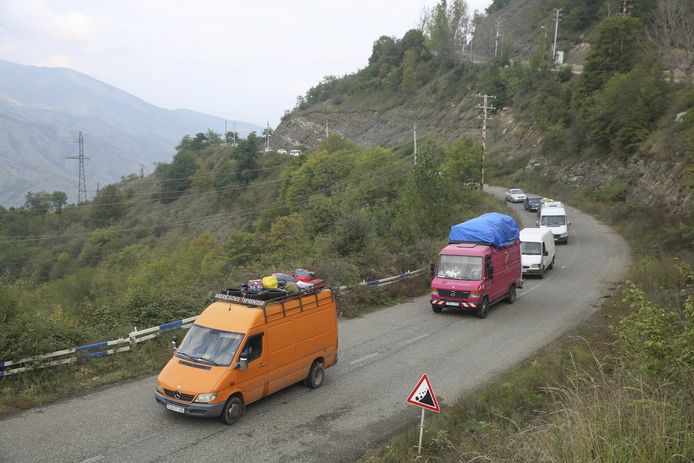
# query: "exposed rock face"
[391,127]
[650,181]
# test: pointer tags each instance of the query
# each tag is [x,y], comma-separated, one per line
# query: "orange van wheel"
[316,375]
[233,410]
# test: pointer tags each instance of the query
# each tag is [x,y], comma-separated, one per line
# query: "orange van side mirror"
[243,364]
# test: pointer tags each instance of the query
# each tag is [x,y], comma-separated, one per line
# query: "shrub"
[657,339]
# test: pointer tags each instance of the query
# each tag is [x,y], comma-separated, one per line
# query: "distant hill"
[43,109]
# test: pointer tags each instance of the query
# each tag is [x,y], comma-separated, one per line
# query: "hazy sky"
[243,60]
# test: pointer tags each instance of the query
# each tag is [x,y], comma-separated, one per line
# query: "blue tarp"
[493,228]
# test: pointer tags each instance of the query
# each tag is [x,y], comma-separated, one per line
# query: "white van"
[537,251]
[553,216]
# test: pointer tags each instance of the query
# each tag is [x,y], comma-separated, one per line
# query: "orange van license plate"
[175,408]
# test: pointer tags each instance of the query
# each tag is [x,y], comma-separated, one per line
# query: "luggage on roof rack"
[263,303]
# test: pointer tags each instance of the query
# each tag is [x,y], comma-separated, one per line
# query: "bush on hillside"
[660,339]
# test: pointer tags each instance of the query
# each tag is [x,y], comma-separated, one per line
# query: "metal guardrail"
[99,349]
[389,280]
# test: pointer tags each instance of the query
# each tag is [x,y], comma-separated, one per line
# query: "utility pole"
[327,132]
[415,143]
[544,41]
[556,29]
[496,39]
[267,137]
[485,107]
[225,132]
[82,184]
[625,7]
[236,138]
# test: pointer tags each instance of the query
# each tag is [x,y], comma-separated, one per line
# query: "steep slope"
[43,109]
[550,125]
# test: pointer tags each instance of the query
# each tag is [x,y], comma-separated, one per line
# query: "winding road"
[362,403]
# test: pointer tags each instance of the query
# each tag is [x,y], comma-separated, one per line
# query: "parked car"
[281,151]
[295,152]
[515,195]
[532,204]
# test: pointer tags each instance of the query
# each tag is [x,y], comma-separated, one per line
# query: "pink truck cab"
[477,269]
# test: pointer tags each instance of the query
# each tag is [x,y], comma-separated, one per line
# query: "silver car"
[515,195]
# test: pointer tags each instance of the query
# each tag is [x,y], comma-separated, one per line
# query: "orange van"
[239,350]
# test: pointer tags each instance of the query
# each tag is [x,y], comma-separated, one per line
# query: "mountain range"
[42,111]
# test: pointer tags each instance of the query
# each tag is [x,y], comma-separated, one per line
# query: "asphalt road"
[362,402]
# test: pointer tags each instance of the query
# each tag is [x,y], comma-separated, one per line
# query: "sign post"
[423,396]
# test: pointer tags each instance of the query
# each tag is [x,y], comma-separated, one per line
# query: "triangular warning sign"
[423,395]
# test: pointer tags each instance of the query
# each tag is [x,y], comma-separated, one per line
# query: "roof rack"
[263,304]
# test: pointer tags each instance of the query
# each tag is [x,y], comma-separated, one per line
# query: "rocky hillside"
[543,127]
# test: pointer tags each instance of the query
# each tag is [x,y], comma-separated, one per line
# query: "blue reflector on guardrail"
[170,326]
[92,346]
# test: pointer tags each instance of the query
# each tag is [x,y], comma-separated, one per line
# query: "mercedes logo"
[177,394]
[453,293]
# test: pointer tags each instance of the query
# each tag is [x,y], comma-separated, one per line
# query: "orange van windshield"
[209,346]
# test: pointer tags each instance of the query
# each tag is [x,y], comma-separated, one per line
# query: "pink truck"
[480,266]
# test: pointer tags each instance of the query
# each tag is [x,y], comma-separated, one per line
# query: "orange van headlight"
[206,398]
[160,389]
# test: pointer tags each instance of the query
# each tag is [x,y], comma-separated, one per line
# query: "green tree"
[385,55]
[424,205]
[448,27]
[623,113]
[440,36]
[108,206]
[38,203]
[177,176]
[58,201]
[241,248]
[246,156]
[461,167]
[619,45]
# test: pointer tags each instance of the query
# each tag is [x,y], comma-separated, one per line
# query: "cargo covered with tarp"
[493,228]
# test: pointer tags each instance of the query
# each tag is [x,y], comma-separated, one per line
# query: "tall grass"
[608,417]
